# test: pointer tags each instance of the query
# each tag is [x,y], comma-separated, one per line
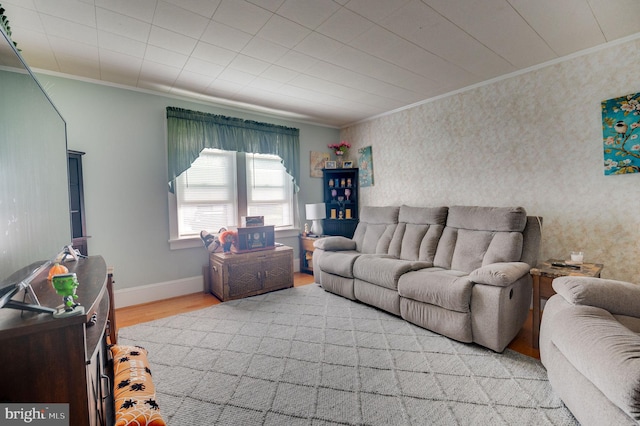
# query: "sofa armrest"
[616,297]
[500,274]
[335,243]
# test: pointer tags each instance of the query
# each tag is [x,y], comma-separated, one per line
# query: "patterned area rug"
[303,356]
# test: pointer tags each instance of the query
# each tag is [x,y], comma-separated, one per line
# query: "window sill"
[193,242]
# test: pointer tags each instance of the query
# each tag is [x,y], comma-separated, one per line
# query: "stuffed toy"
[211,241]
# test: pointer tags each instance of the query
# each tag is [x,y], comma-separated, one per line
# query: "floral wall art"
[620,123]
[365,162]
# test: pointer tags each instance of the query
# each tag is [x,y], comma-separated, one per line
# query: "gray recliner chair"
[590,346]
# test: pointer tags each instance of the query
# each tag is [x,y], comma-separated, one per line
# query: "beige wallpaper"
[533,140]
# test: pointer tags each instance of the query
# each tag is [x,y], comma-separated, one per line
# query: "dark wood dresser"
[64,360]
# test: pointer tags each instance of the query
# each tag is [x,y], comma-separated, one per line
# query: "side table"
[306,253]
[543,275]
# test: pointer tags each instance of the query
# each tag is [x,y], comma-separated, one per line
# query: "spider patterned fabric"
[134,391]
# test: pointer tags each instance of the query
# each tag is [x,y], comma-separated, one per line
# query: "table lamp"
[315,213]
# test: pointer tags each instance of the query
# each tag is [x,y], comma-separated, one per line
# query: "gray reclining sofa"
[461,271]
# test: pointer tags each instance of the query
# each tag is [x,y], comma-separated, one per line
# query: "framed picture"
[347,164]
[316,163]
[330,165]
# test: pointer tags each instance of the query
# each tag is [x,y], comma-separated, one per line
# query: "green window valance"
[189,132]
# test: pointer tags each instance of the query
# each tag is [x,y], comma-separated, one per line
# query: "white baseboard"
[166,290]
[159,291]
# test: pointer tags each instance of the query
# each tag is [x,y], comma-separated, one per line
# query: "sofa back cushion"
[418,231]
[477,236]
[375,229]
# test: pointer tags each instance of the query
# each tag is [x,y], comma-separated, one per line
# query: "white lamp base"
[316,227]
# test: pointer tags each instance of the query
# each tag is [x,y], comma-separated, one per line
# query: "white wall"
[533,140]
[123,133]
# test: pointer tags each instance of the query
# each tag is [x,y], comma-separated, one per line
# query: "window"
[212,193]
[269,190]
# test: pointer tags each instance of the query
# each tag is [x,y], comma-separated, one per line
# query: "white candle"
[577,256]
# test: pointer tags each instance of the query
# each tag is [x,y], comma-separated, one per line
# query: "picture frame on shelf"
[347,164]
[330,165]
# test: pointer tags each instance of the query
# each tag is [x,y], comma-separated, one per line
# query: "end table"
[543,275]
[306,253]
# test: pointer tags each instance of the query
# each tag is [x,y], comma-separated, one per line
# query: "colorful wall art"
[620,130]
[365,163]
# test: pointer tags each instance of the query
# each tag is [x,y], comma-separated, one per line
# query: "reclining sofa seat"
[412,247]
[333,257]
[460,271]
[461,296]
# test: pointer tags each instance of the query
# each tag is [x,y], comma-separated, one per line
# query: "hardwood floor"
[132,315]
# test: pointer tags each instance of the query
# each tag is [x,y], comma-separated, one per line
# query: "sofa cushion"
[500,219]
[418,231]
[478,236]
[603,350]
[447,289]
[335,243]
[375,229]
[383,271]
[338,262]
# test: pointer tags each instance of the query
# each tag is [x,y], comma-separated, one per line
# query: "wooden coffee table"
[543,275]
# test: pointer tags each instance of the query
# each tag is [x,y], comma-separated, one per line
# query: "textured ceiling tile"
[199,66]
[497,25]
[271,5]
[242,15]
[121,44]
[179,20]
[214,54]
[582,32]
[375,10]
[139,9]
[264,49]
[248,64]
[201,7]
[283,31]
[344,26]
[171,41]
[318,46]
[57,27]
[310,13]
[225,36]
[164,56]
[123,25]
[70,10]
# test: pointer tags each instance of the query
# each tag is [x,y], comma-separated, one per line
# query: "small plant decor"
[4,21]
[341,148]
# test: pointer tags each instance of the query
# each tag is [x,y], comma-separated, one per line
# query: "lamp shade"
[316,211]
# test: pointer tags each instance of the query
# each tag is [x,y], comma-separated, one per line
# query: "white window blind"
[208,196]
[269,190]
[207,193]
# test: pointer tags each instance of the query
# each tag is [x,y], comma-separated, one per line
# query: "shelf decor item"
[65,285]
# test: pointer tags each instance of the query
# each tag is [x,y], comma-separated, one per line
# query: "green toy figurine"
[65,285]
